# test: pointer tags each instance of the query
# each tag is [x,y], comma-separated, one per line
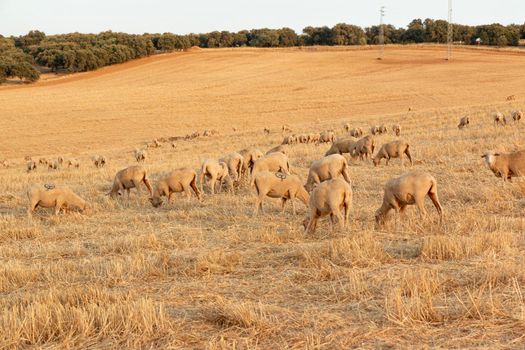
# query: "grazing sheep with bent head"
[129,178]
[409,189]
[326,136]
[329,198]
[396,128]
[327,168]
[53,165]
[363,148]
[235,163]
[463,122]
[356,132]
[279,185]
[517,115]
[499,119]
[180,180]
[340,146]
[394,149]
[140,155]
[250,155]
[99,161]
[30,166]
[506,165]
[218,174]
[60,198]
[273,162]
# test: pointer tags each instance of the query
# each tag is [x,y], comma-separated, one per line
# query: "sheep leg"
[193,185]
[312,225]
[213,183]
[293,205]
[58,205]
[283,204]
[137,186]
[434,197]
[32,206]
[202,179]
[258,204]
[407,152]
[421,207]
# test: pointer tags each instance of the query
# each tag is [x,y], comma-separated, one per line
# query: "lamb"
[290,140]
[53,165]
[340,146]
[394,149]
[218,174]
[396,128]
[499,119]
[60,198]
[356,132]
[363,148]
[129,178]
[235,163]
[180,180]
[506,165]
[250,155]
[279,185]
[99,161]
[410,188]
[517,115]
[276,161]
[463,122]
[31,165]
[329,167]
[329,198]
[140,155]
[327,136]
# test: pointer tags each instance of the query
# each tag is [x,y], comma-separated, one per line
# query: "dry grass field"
[208,274]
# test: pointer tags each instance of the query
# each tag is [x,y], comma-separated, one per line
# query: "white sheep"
[140,155]
[129,178]
[517,115]
[463,122]
[279,185]
[326,168]
[217,173]
[235,163]
[505,165]
[60,198]
[180,180]
[499,119]
[394,149]
[273,162]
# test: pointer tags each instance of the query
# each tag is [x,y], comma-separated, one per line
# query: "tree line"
[76,52]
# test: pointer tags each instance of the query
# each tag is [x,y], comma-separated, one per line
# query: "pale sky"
[182,17]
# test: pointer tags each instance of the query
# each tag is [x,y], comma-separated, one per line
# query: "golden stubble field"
[210,275]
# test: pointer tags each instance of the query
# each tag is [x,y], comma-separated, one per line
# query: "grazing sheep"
[329,167]
[60,160]
[276,161]
[329,198]
[290,140]
[129,178]
[180,180]
[463,122]
[286,128]
[154,144]
[327,136]
[347,127]
[408,189]
[5,163]
[394,149]
[375,130]
[60,198]
[43,161]
[278,185]
[99,161]
[511,98]
[250,155]
[218,174]
[53,165]
[396,128]
[506,165]
[383,129]
[27,158]
[302,138]
[234,129]
[140,155]
[72,162]
[517,115]
[31,165]
[266,131]
[314,138]
[235,163]
[340,146]
[208,133]
[356,132]
[280,148]
[173,145]
[499,119]
[363,148]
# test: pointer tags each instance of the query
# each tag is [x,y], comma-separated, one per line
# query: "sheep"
[266,131]
[303,138]
[217,172]
[499,119]
[280,148]
[53,165]
[180,180]
[329,198]
[510,98]
[375,130]
[290,140]
[99,161]
[396,128]
[410,188]
[383,129]
[154,144]
[356,132]
[31,165]
[250,155]
[463,122]
[327,136]
[43,161]
[208,133]
[27,158]
[363,148]
[5,163]
[347,127]
[235,163]
[394,149]
[173,145]
[60,160]
[276,161]
[314,138]
[140,155]
[279,185]
[340,146]
[72,162]
[129,178]
[516,115]
[286,128]
[329,167]
[60,198]
[505,165]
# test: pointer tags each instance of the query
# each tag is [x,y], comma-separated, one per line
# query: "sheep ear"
[484,156]
[496,154]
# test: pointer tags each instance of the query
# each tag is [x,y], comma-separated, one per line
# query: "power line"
[450,33]
[381,33]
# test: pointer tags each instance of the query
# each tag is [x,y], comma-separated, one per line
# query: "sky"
[181,17]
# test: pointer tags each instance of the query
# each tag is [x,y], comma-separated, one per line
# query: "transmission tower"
[381,33]
[450,32]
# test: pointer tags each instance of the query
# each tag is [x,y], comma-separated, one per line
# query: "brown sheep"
[363,148]
[329,198]
[499,119]
[356,132]
[218,174]
[408,189]
[31,165]
[140,155]
[279,185]
[290,140]
[394,149]
[506,165]
[53,165]
[266,131]
[235,163]
[129,178]
[250,155]
[375,130]
[340,146]
[60,198]
[180,180]
[463,122]
[327,136]
[273,162]
[396,128]
[99,161]
[517,115]
[329,167]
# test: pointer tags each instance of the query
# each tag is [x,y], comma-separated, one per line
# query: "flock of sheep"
[326,192]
